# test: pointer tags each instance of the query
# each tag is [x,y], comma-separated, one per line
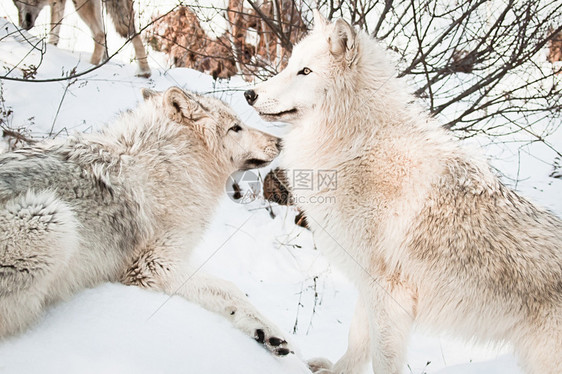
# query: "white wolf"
[126,204]
[90,11]
[425,230]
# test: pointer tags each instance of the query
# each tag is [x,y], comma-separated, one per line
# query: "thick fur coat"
[426,231]
[126,204]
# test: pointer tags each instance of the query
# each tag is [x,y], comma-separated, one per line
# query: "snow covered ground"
[118,329]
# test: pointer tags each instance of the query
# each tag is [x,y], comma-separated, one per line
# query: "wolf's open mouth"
[279,114]
[254,163]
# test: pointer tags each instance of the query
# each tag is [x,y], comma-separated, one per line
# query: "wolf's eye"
[304,71]
[235,128]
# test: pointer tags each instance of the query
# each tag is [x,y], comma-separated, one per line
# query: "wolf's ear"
[342,41]
[148,93]
[180,106]
[320,22]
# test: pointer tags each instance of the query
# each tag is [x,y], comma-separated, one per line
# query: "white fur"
[128,204]
[422,226]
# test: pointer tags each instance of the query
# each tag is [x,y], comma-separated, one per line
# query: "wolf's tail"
[38,234]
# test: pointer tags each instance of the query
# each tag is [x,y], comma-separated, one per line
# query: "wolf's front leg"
[358,351]
[391,309]
[225,298]
[160,268]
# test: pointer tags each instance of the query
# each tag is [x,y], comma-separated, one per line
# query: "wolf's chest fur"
[374,197]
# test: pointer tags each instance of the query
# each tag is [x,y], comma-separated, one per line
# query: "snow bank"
[112,329]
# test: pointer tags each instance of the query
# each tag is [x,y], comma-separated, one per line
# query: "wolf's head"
[28,10]
[233,144]
[324,54]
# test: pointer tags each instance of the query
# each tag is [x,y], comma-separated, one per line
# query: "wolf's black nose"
[251,96]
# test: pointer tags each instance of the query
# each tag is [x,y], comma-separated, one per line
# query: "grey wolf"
[126,204]
[428,234]
[121,11]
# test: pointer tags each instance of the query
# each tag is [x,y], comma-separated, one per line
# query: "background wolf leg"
[57,13]
[91,14]
[123,15]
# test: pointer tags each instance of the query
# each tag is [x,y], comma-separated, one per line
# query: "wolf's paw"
[249,321]
[276,345]
[143,72]
[320,365]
